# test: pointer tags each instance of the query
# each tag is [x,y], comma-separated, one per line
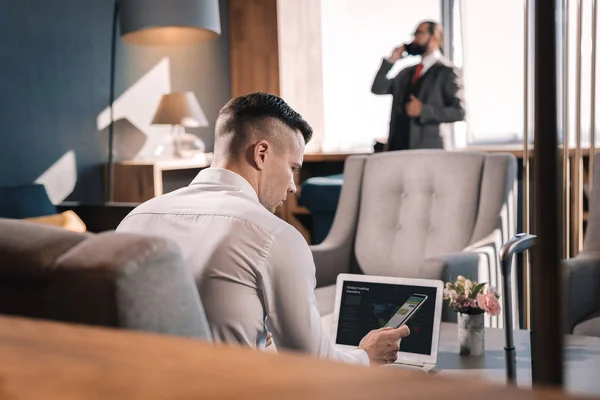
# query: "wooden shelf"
[516,149]
[332,156]
[136,181]
[200,161]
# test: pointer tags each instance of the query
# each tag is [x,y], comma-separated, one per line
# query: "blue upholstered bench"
[320,195]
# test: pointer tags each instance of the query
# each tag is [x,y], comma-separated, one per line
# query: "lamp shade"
[163,22]
[180,108]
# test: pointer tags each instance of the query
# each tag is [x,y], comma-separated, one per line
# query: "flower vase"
[471,334]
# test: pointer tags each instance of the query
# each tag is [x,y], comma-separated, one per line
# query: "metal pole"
[509,349]
[450,31]
[546,315]
[518,243]
[526,200]
[577,204]
[565,104]
[109,190]
[447,7]
[593,98]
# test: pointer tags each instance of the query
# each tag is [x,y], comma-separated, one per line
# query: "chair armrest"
[465,263]
[488,250]
[330,261]
[456,264]
[493,240]
[583,287]
[447,267]
[333,255]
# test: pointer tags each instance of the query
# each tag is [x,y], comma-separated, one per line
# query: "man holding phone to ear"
[425,95]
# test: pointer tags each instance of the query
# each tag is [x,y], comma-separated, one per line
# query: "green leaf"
[477,289]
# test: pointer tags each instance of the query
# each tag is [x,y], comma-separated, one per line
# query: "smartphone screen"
[407,310]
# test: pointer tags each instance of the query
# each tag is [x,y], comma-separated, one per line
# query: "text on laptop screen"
[366,306]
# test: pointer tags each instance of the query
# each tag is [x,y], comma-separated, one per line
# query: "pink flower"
[488,303]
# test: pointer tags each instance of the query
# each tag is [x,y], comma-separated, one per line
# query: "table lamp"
[157,22]
[181,110]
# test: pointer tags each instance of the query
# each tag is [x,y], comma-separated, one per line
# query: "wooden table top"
[45,360]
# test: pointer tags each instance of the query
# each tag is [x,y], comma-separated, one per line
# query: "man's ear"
[261,148]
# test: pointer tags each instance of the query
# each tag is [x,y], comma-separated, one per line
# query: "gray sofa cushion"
[590,327]
[111,279]
[401,221]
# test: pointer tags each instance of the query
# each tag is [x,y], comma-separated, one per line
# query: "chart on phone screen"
[366,306]
[408,310]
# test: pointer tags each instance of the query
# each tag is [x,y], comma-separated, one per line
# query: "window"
[356,36]
[489,46]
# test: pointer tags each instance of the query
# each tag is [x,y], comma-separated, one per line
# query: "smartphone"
[408,309]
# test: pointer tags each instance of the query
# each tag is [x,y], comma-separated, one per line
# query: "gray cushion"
[111,279]
[590,327]
[421,205]
[325,299]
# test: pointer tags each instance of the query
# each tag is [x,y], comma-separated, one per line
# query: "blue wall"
[54,78]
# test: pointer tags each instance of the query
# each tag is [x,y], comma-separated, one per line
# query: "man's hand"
[382,345]
[397,54]
[414,107]
[269,340]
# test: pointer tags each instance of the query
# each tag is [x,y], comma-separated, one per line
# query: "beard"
[415,49]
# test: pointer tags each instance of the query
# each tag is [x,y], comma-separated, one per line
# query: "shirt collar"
[225,177]
[431,59]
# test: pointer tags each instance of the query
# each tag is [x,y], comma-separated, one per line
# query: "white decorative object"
[471,334]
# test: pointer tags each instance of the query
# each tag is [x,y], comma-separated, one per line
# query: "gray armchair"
[583,274]
[422,214]
[110,279]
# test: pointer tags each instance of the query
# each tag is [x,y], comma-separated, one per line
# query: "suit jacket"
[440,90]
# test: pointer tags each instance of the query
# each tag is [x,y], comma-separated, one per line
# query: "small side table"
[136,181]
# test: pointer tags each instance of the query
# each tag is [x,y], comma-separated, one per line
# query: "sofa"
[116,280]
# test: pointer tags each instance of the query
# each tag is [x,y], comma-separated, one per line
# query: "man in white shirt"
[254,271]
[424,95]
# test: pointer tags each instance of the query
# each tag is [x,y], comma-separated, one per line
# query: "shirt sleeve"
[289,285]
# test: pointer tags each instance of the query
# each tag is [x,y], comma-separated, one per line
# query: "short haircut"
[256,112]
[434,28]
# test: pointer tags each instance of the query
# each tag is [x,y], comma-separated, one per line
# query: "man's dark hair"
[434,28]
[258,111]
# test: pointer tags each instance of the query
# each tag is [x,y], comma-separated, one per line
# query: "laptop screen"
[366,306]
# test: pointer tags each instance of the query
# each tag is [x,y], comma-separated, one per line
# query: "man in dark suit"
[424,96]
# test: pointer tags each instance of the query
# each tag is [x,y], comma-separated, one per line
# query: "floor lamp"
[156,23]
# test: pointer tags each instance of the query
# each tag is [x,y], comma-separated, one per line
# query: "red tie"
[417,73]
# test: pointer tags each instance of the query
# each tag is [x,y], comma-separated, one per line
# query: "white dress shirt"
[429,60]
[247,262]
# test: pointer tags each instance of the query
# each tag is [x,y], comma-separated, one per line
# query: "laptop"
[364,303]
